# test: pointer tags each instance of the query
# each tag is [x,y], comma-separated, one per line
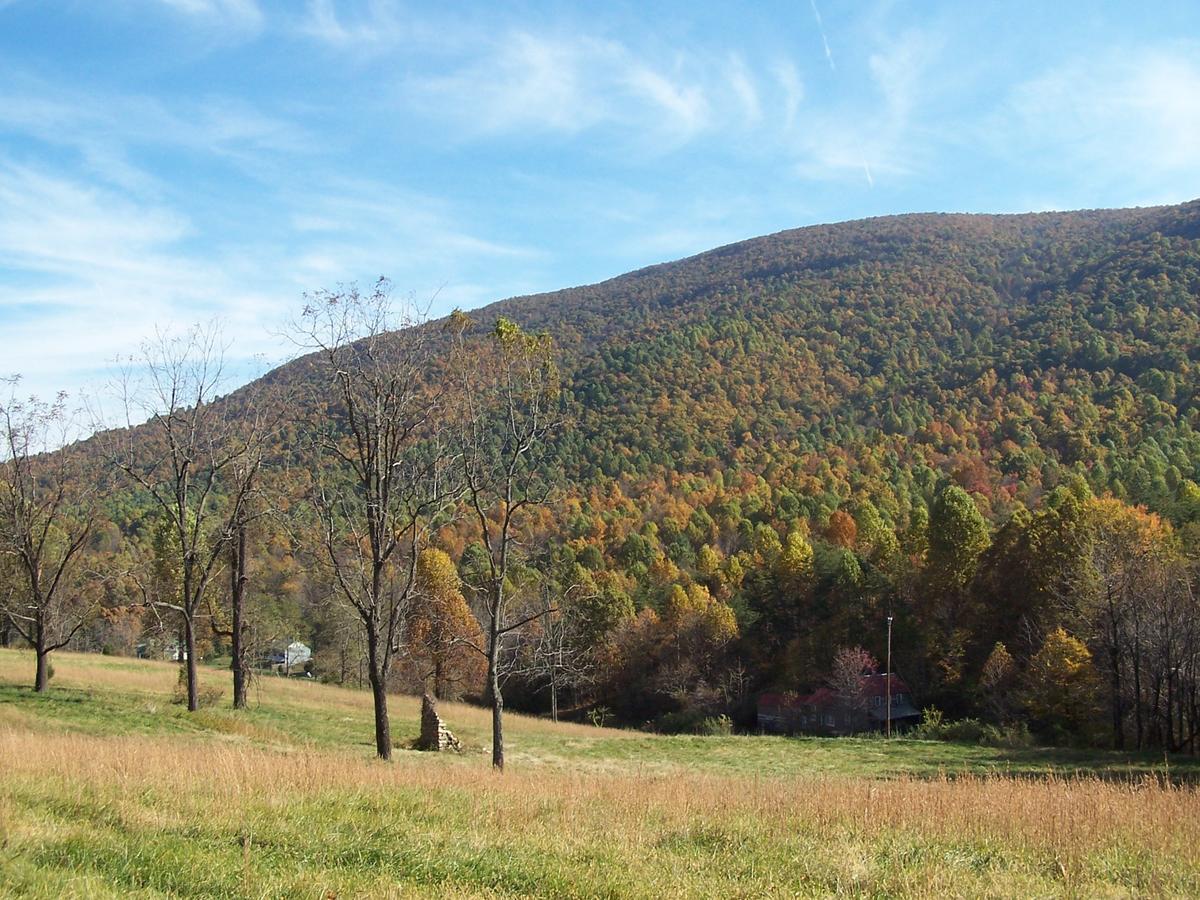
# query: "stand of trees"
[195,463]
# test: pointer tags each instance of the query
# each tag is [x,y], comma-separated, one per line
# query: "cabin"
[824,712]
[288,659]
[903,711]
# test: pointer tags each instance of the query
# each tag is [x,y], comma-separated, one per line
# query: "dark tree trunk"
[1118,712]
[41,641]
[497,701]
[1193,718]
[378,677]
[189,649]
[1179,718]
[1137,700]
[1115,681]
[238,599]
[1166,727]
[41,680]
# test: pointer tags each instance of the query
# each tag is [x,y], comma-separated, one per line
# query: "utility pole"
[889,678]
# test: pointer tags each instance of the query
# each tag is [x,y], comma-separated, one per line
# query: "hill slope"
[1011,346]
[1006,350]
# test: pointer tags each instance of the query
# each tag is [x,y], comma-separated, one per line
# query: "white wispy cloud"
[89,272]
[568,84]
[376,25]
[341,213]
[899,69]
[685,105]
[742,83]
[240,15]
[526,81]
[107,129]
[52,224]
[656,101]
[641,98]
[788,78]
[1132,116]
[878,132]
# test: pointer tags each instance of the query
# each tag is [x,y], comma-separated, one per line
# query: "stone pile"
[434,733]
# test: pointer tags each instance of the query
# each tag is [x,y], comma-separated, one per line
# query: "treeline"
[1076,619]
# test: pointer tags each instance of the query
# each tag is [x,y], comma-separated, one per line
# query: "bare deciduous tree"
[47,513]
[378,480]
[557,654]
[507,403]
[194,459]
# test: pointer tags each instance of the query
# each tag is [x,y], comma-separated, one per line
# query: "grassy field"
[109,789]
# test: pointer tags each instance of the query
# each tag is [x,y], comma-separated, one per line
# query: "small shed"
[290,658]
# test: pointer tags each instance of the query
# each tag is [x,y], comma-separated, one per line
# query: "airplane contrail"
[824,40]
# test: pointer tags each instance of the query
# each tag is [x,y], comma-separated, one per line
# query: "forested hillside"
[984,426]
[1008,348]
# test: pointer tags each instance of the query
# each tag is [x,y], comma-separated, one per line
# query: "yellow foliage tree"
[693,610]
[1061,686]
[795,562]
[442,631]
[708,562]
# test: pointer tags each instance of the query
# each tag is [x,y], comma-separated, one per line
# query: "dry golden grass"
[697,836]
[1074,814]
[89,670]
[269,805]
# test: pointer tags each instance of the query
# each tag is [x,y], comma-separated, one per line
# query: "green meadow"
[108,788]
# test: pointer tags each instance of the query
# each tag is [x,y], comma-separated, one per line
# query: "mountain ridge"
[801,232]
[871,328]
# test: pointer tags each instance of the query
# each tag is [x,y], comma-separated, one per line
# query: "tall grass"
[236,809]
[179,817]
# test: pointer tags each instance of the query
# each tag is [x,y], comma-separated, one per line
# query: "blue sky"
[164,162]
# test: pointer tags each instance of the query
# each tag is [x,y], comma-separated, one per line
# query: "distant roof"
[873,686]
[878,684]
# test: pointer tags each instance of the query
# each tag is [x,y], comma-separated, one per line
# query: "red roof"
[876,685]
[873,686]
